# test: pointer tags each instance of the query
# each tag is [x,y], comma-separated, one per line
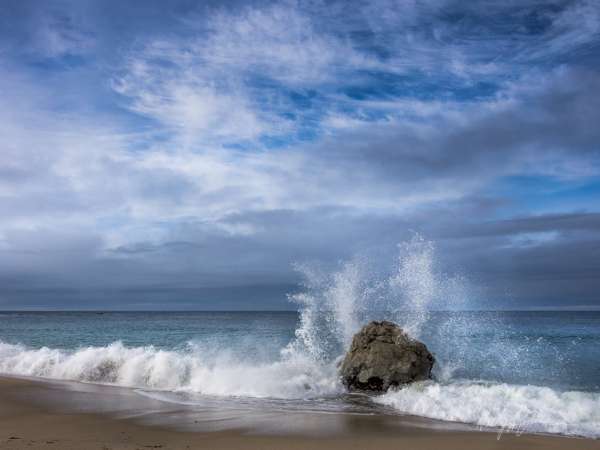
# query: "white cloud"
[203,88]
[575,26]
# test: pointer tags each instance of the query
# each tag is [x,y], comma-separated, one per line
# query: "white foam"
[510,407]
[148,367]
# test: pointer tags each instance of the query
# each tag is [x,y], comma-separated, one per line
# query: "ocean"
[523,371]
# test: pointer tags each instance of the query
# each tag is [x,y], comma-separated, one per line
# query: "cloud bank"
[177,157]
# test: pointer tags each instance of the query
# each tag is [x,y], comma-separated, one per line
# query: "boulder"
[383,355]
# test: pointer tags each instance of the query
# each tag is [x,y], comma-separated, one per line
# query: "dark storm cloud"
[506,258]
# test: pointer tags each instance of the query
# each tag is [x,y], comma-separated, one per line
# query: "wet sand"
[64,416]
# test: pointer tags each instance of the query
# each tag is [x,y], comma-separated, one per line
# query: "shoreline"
[45,414]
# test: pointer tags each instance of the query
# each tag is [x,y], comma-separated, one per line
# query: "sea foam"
[185,370]
[498,405]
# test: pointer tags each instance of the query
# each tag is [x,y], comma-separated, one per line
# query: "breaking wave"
[505,406]
[184,370]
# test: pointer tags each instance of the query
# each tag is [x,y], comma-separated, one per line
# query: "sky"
[192,155]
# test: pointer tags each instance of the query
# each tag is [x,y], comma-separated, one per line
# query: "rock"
[383,355]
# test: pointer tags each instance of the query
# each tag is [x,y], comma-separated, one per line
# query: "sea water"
[526,371]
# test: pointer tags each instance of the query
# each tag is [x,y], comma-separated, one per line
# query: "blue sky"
[178,154]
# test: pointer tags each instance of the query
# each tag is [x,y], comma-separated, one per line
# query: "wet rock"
[383,355]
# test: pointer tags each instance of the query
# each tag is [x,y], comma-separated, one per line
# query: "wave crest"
[185,370]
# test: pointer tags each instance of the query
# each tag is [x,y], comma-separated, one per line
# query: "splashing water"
[330,310]
[416,281]
[334,307]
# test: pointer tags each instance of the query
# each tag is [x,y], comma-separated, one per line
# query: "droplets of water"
[346,295]
[330,310]
[333,306]
[414,282]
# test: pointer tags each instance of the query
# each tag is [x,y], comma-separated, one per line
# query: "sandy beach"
[47,415]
